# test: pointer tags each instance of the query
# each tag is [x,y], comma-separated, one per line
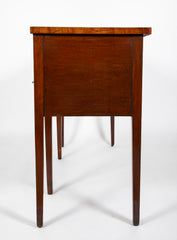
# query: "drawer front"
[87,75]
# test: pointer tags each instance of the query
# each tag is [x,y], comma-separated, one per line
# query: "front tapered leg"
[39,168]
[38,102]
[48,137]
[112,130]
[59,136]
[136,123]
[136,168]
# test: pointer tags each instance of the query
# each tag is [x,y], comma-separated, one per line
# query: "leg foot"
[39,218]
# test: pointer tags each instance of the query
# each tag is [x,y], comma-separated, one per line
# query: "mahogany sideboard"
[86,72]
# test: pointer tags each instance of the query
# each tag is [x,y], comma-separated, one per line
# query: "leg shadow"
[159,214]
[63,215]
[91,172]
[100,130]
[75,130]
[99,207]
[15,216]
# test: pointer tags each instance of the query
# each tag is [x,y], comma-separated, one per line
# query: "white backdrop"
[87,139]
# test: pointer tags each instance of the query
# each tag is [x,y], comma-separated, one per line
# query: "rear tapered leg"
[62,124]
[48,137]
[112,130]
[59,136]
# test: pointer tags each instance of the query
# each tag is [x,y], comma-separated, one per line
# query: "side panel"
[87,75]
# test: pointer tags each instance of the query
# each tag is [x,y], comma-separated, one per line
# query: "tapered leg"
[136,124]
[48,137]
[62,123]
[59,136]
[39,168]
[38,100]
[112,130]
[136,121]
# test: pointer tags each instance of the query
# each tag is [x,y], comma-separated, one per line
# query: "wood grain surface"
[87,76]
[91,30]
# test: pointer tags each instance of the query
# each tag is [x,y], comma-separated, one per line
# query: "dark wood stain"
[48,141]
[92,76]
[62,123]
[59,136]
[86,72]
[112,130]
[38,105]
[136,123]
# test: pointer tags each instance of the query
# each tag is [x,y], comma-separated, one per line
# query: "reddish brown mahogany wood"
[59,136]
[60,130]
[136,122]
[93,30]
[48,137]
[112,130]
[38,100]
[62,123]
[92,74]
[87,72]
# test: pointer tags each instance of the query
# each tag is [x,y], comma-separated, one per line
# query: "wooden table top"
[91,30]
